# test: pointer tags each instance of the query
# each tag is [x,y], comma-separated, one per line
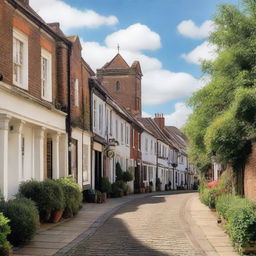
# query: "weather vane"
[118,48]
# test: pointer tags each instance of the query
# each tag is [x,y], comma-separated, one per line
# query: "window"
[122,133]
[76,95]
[139,146]
[146,144]
[133,138]
[22,157]
[20,59]
[94,114]
[151,147]
[126,135]
[46,75]
[110,122]
[117,135]
[118,86]
[100,117]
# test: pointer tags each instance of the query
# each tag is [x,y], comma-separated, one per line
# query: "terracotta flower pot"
[56,216]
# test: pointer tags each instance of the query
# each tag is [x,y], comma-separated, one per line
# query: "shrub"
[127,176]
[89,195]
[119,172]
[4,231]
[24,219]
[48,196]
[105,185]
[241,225]
[72,196]
[116,191]
[223,204]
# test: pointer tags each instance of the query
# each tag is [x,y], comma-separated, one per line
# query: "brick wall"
[11,18]
[250,175]
[80,115]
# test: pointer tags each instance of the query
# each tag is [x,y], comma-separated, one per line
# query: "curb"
[107,215]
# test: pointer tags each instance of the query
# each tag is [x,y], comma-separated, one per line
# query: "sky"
[168,37]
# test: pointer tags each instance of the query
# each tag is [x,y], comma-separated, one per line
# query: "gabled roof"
[116,63]
[152,126]
[75,40]
[177,137]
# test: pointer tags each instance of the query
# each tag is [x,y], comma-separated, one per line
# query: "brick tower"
[123,82]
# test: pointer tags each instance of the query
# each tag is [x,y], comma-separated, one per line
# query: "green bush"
[105,185]
[24,219]
[223,204]
[127,176]
[48,196]
[241,225]
[72,196]
[4,232]
[208,196]
[119,172]
[116,191]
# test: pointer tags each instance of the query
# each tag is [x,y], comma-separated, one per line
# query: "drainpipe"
[69,129]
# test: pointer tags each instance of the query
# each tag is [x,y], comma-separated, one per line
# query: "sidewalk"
[202,228]
[209,235]
[63,236]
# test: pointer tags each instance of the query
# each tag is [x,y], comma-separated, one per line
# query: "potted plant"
[105,187]
[90,196]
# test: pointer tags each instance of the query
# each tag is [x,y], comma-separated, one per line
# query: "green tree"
[224,111]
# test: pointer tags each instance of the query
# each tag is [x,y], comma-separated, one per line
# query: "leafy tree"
[224,111]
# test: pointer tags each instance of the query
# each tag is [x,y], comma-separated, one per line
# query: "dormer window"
[118,86]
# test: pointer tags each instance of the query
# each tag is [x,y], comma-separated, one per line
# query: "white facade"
[83,156]
[33,141]
[164,171]
[148,152]
[109,124]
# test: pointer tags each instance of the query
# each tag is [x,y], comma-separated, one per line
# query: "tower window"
[118,86]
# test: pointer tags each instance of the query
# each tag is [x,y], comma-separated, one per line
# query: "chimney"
[24,2]
[160,120]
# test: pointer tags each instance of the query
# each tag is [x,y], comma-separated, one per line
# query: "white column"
[63,155]
[56,155]
[4,130]
[15,157]
[39,153]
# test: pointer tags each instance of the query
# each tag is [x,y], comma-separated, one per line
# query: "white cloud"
[162,85]
[70,17]
[189,29]
[205,51]
[97,55]
[135,38]
[179,117]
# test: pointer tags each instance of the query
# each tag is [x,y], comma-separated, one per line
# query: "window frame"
[18,35]
[76,92]
[48,56]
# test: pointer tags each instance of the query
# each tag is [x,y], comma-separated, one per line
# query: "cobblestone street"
[149,226]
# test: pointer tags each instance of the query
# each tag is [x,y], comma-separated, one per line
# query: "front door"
[49,159]
[98,169]
[74,169]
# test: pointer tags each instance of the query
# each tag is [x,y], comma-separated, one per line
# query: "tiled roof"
[116,63]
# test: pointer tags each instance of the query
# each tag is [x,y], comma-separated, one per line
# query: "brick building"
[33,135]
[123,82]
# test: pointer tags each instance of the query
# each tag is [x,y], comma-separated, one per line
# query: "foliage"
[48,195]
[223,204]
[224,116]
[241,225]
[4,232]
[24,219]
[127,176]
[72,195]
[105,185]
[119,172]
[116,191]
[89,195]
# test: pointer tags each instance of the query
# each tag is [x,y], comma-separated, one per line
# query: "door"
[49,159]
[98,171]
[74,169]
